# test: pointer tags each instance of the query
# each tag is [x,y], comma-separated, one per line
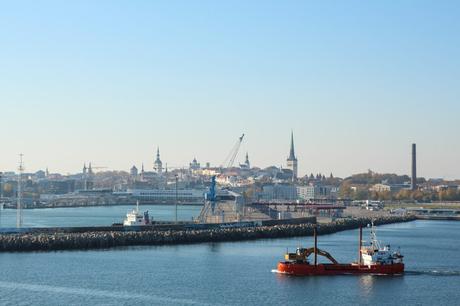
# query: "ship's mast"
[19,197]
[315,233]
[374,241]
[360,244]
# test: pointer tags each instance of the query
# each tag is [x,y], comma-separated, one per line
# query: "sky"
[108,81]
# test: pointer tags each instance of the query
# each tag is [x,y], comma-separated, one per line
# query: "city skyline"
[177,152]
[159,166]
[109,82]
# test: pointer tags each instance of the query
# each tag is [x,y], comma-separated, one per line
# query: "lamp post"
[176,197]
[19,196]
[1,197]
[1,185]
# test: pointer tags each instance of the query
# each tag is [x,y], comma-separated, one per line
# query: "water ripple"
[434,273]
[99,293]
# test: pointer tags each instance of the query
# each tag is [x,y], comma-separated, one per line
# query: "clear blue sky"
[108,81]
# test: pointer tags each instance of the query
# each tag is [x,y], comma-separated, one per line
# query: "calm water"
[86,216]
[236,273]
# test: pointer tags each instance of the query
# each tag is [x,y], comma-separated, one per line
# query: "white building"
[316,192]
[168,195]
[380,188]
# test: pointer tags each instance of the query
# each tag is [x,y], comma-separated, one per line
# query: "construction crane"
[230,159]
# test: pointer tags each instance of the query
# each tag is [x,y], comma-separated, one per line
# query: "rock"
[96,239]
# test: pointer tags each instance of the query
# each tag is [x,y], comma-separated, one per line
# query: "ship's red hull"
[304,269]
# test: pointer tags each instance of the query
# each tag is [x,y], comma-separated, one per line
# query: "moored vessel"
[136,218]
[372,259]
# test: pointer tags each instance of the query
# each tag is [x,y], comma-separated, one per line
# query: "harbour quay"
[97,239]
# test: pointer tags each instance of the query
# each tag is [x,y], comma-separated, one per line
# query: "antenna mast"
[19,197]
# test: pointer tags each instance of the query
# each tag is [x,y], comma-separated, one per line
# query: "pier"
[51,240]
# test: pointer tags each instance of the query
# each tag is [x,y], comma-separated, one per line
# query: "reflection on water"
[366,283]
[434,273]
[214,247]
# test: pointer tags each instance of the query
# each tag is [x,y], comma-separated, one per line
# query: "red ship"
[372,259]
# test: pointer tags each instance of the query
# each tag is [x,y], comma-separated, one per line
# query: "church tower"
[246,162]
[157,164]
[142,172]
[292,160]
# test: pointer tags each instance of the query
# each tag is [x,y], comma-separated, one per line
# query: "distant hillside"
[371,178]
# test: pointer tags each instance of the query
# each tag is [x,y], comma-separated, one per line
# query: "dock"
[103,238]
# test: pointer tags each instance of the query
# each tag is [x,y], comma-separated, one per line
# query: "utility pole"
[176,197]
[413,182]
[1,185]
[1,197]
[19,196]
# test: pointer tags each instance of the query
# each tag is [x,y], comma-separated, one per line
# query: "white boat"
[376,254]
[136,218]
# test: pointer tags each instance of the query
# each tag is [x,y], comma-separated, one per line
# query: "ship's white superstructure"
[376,254]
[136,218]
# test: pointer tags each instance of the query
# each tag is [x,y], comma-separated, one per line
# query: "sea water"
[237,273]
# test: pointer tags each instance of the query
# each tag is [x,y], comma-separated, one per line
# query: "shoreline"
[195,204]
[57,241]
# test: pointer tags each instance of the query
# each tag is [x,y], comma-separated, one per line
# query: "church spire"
[246,162]
[291,152]
[157,164]
[292,160]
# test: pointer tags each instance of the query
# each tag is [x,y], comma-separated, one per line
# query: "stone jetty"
[21,242]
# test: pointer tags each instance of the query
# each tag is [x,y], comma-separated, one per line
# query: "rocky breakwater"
[101,240]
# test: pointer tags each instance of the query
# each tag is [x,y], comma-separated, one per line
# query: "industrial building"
[158,196]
